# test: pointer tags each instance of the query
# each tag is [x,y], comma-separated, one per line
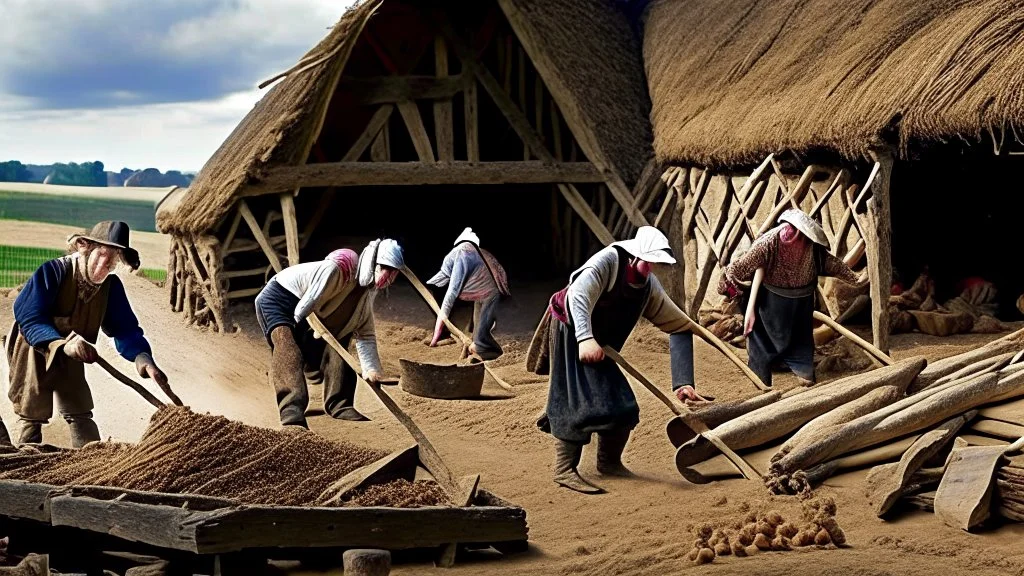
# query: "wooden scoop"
[964,497]
[685,424]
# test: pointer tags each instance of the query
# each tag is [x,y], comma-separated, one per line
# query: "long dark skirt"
[782,332]
[585,398]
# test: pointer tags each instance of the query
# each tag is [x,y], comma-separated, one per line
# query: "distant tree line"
[89,174]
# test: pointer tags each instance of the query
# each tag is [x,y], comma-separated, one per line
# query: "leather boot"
[609,453]
[83,429]
[30,431]
[567,458]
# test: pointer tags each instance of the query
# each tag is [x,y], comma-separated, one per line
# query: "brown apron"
[32,385]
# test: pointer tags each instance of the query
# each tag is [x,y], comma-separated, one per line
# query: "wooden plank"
[26,500]
[1011,411]
[244,273]
[577,203]
[522,92]
[243,293]
[410,112]
[291,227]
[879,248]
[401,464]
[443,123]
[193,502]
[230,236]
[419,173]
[472,120]
[254,227]
[395,89]
[386,528]
[377,122]
[163,526]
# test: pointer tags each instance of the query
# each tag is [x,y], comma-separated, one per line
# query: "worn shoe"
[350,414]
[567,458]
[609,453]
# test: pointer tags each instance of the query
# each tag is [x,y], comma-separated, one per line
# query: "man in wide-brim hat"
[794,254]
[57,317]
[471,274]
[588,394]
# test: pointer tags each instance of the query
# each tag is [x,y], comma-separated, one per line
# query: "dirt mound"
[188,453]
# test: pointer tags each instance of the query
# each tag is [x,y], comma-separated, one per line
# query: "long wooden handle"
[687,415]
[867,346]
[722,347]
[120,377]
[618,359]
[429,298]
[428,454]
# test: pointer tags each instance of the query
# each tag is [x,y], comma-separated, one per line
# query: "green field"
[76,210]
[18,263]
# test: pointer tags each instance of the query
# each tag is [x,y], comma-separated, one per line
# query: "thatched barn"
[894,119]
[412,118]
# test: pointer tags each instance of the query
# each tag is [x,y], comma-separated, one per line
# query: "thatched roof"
[590,43]
[597,54]
[732,81]
[276,132]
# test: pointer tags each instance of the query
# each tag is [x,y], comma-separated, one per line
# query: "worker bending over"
[340,290]
[471,274]
[588,393]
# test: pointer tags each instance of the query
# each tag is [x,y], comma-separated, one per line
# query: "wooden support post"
[192,256]
[878,237]
[380,148]
[377,122]
[556,130]
[291,227]
[232,230]
[472,119]
[261,238]
[417,131]
[522,94]
[443,126]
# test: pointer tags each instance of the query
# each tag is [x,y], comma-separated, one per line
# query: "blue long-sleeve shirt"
[33,310]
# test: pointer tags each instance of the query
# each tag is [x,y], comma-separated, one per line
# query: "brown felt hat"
[111,233]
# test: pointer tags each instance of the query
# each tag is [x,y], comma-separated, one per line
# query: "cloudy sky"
[142,83]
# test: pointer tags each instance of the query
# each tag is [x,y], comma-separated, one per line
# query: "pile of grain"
[187,453]
[399,493]
[769,532]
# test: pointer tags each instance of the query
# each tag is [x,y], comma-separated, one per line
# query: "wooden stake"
[232,230]
[261,239]
[472,120]
[291,227]
[443,125]
[878,237]
[417,131]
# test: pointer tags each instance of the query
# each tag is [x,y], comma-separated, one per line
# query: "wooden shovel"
[964,496]
[123,379]
[685,424]
[429,298]
[429,456]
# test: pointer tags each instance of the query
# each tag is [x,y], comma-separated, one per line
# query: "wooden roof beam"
[421,173]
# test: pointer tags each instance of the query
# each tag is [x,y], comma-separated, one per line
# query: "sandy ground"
[152,247]
[640,527]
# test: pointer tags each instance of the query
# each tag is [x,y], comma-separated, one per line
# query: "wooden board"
[965,494]
[1011,411]
[25,500]
[237,528]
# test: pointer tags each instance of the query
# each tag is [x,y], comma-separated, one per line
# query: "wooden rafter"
[394,89]
[375,126]
[410,113]
[291,227]
[261,238]
[421,173]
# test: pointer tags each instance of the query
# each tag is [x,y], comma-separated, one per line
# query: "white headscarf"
[468,236]
[386,252]
[649,245]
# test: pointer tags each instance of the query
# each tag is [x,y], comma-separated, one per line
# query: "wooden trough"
[207,525]
[443,381]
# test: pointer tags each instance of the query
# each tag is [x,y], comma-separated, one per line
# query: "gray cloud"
[67,54]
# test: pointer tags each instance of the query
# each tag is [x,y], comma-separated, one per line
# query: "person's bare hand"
[687,393]
[591,351]
[748,323]
[79,349]
[372,376]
